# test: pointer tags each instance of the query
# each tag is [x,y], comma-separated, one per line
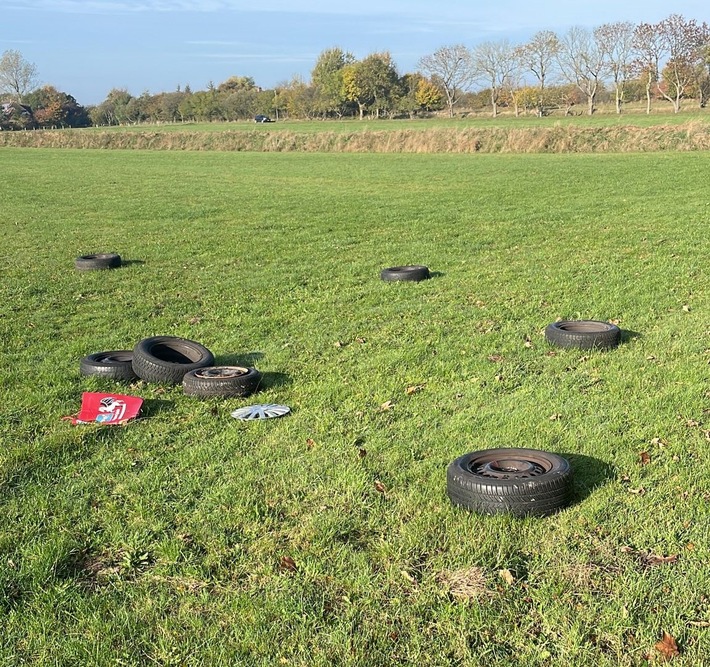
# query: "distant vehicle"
[261,118]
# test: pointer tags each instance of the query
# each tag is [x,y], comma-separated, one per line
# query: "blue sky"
[87,47]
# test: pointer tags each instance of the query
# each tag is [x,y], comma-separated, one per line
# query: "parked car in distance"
[261,118]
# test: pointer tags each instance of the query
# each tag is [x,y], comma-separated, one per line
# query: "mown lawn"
[326,537]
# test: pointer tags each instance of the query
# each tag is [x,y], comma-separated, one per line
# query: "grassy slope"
[160,543]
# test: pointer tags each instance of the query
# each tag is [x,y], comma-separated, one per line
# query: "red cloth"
[107,408]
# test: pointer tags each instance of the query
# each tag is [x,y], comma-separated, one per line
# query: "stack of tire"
[173,360]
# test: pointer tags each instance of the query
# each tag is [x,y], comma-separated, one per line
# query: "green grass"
[634,116]
[161,542]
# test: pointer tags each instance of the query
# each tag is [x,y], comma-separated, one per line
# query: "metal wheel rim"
[221,372]
[508,467]
[262,411]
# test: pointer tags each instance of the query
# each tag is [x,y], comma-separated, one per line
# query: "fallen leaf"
[413,389]
[499,378]
[652,560]
[379,486]
[691,423]
[639,492]
[627,550]
[339,343]
[387,405]
[686,308]
[551,353]
[616,322]
[650,357]
[700,624]
[690,547]
[360,340]
[194,320]
[658,441]
[667,647]
[553,418]
[310,443]
[287,564]
[495,357]
[528,342]
[507,576]
[645,458]
[362,453]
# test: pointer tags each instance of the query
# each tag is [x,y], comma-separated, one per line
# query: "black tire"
[413,273]
[583,334]
[106,260]
[115,365]
[166,359]
[521,482]
[221,381]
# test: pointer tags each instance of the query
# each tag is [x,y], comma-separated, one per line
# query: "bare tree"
[17,76]
[617,42]
[496,63]
[648,47]
[451,68]
[683,43]
[582,61]
[539,56]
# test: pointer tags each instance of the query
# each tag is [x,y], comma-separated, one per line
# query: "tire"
[221,381]
[115,365]
[521,482]
[583,334]
[107,260]
[166,359]
[413,273]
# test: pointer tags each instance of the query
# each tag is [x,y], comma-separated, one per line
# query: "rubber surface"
[413,273]
[583,334]
[106,260]
[542,493]
[166,359]
[115,365]
[221,381]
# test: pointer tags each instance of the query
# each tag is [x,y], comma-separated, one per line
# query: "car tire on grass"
[413,273]
[583,334]
[100,261]
[521,482]
[221,381]
[115,365]
[166,359]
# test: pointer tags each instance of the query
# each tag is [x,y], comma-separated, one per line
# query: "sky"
[87,47]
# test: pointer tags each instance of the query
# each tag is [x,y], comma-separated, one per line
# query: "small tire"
[583,334]
[114,365]
[221,381]
[98,262]
[166,359]
[413,273]
[521,482]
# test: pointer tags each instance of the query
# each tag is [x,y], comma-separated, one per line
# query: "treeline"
[623,62]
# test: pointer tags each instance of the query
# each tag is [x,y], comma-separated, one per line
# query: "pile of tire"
[173,360]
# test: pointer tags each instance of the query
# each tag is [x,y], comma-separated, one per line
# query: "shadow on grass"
[627,335]
[132,262]
[588,474]
[274,380]
[154,406]
[436,274]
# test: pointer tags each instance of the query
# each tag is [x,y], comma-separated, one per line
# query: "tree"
[497,63]
[451,68]
[53,108]
[372,83]
[236,84]
[582,60]
[539,56]
[17,76]
[327,79]
[683,43]
[616,40]
[648,47]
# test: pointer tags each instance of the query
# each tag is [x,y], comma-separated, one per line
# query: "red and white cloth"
[107,408]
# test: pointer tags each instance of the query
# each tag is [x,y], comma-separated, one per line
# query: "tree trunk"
[590,103]
[618,101]
[648,97]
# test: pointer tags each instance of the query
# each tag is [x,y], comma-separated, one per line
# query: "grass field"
[167,542]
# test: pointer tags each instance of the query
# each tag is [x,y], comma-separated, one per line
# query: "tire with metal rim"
[221,381]
[583,334]
[413,273]
[521,482]
[115,365]
[106,260]
[166,359]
